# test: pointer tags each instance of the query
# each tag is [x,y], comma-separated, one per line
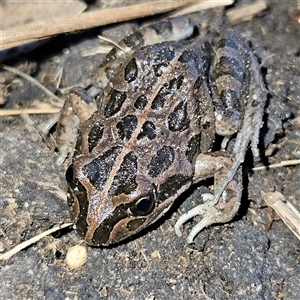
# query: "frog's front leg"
[214,165]
[78,108]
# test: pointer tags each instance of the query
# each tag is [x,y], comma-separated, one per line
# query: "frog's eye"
[70,174]
[143,206]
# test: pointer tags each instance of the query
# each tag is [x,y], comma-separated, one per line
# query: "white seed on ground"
[76,256]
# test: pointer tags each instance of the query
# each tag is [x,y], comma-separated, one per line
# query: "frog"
[165,99]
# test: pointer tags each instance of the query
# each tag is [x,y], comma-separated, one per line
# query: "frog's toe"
[210,217]
[206,209]
[211,213]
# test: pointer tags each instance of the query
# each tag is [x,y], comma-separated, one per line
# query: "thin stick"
[54,100]
[283,163]
[101,37]
[285,210]
[32,32]
[20,35]
[202,5]
[29,111]
[31,241]
[245,13]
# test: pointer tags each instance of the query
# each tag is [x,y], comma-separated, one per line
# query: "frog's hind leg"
[228,203]
[238,93]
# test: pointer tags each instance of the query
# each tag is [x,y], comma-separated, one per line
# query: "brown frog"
[149,136]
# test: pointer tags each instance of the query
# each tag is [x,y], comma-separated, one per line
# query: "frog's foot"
[206,209]
[211,215]
[220,210]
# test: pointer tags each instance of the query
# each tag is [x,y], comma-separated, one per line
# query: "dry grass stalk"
[281,164]
[285,210]
[21,35]
[201,5]
[28,111]
[31,241]
[245,13]
[53,99]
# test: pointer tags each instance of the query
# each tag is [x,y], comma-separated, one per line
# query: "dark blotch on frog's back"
[198,83]
[162,60]
[126,127]
[148,131]
[166,92]
[227,42]
[178,120]
[115,102]
[161,161]
[141,102]
[198,58]
[131,71]
[98,170]
[95,135]
[125,179]
[193,148]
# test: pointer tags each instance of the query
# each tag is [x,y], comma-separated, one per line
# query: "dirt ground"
[253,257]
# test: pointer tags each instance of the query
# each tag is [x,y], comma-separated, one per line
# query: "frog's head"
[110,203]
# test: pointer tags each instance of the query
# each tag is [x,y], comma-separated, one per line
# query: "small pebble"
[76,256]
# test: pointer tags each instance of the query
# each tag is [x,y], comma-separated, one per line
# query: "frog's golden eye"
[70,174]
[143,206]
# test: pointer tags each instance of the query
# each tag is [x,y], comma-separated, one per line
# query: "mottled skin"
[149,135]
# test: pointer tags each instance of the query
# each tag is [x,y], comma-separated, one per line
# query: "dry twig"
[201,5]
[54,100]
[28,111]
[31,241]
[245,13]
[31,32]
[283,163]
[285,210]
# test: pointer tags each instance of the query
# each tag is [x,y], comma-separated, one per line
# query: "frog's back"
[151,108]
